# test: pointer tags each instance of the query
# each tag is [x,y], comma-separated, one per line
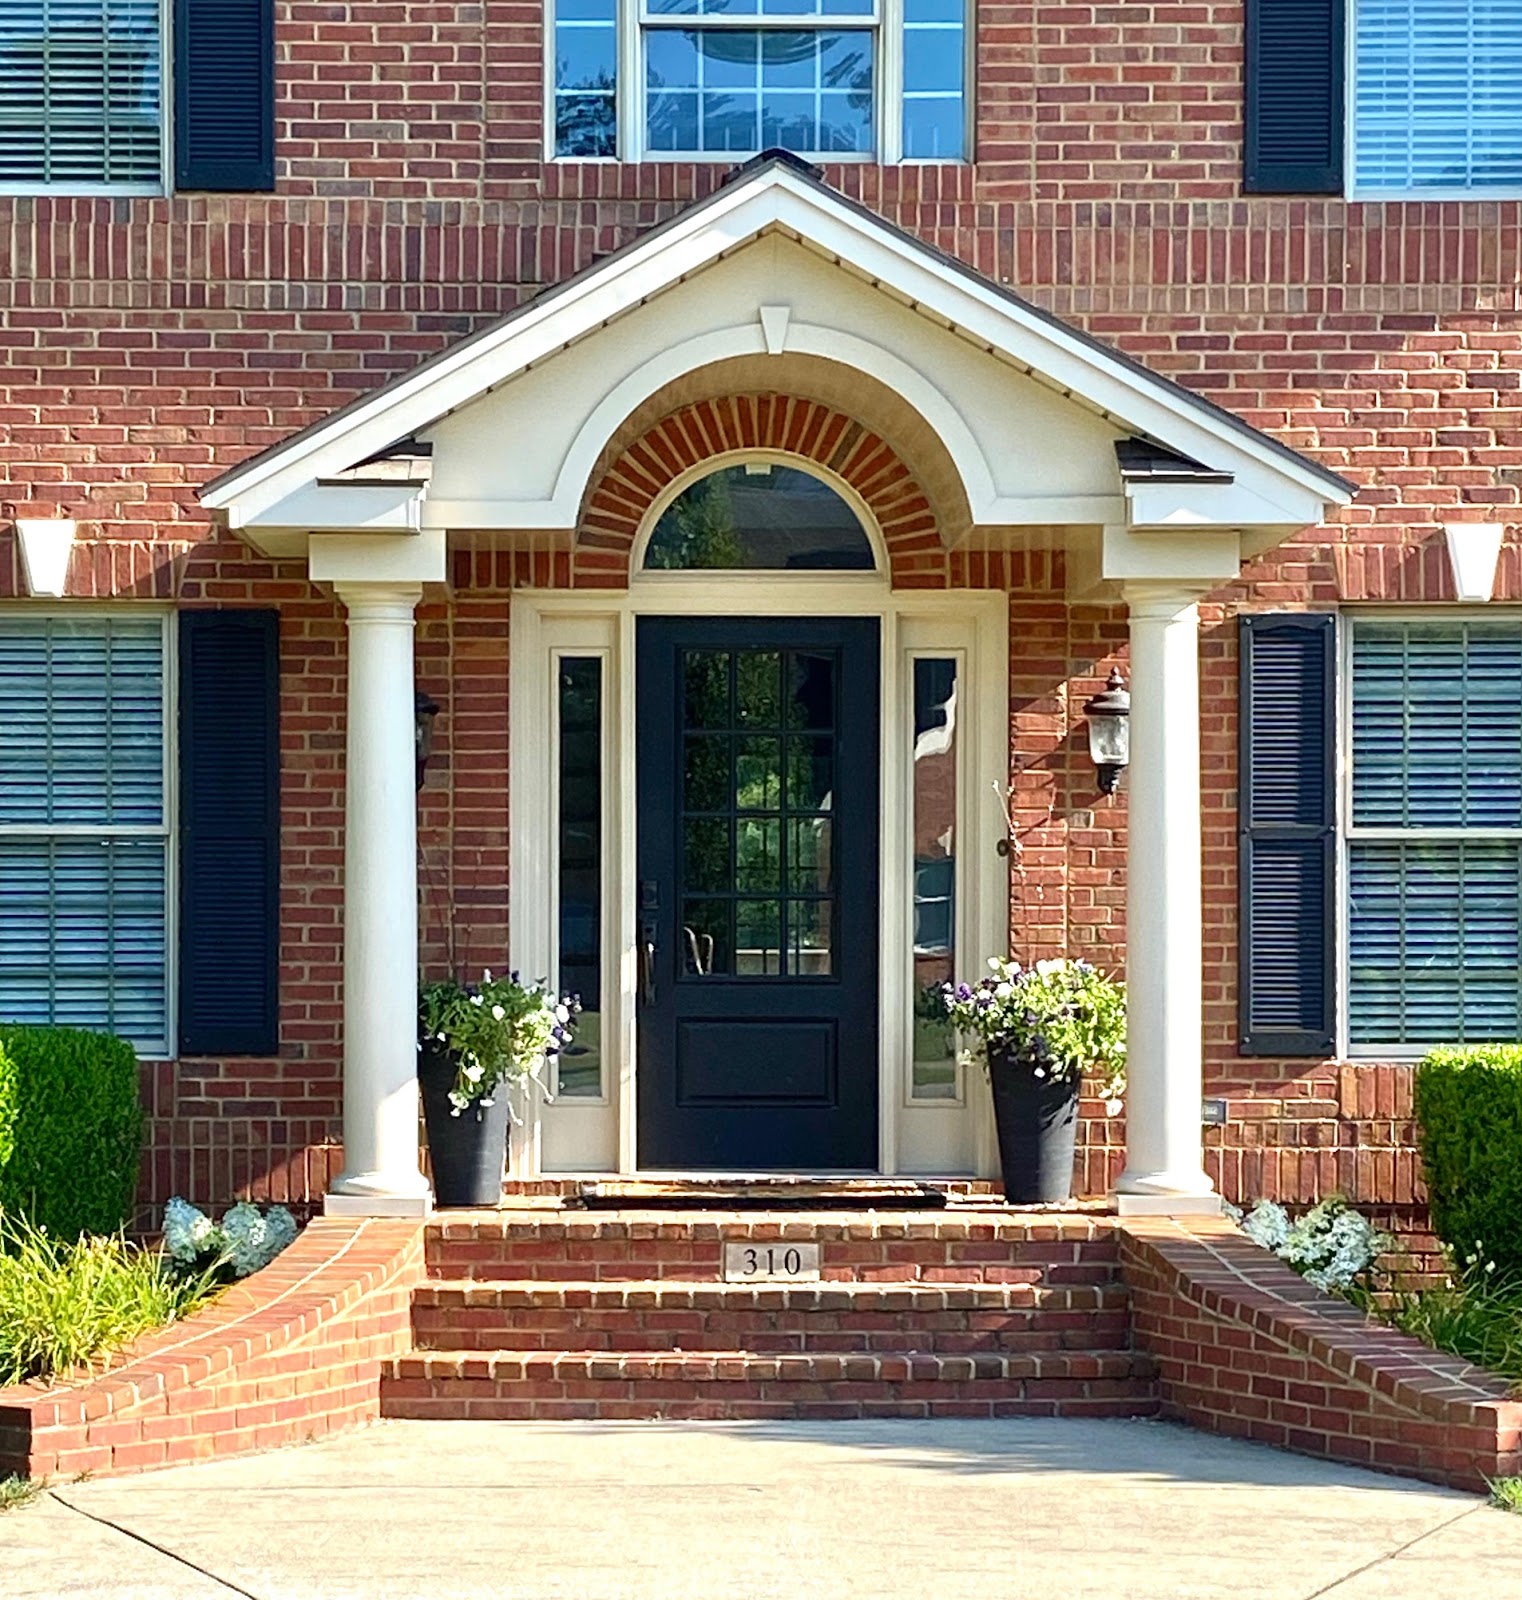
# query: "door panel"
[758,857]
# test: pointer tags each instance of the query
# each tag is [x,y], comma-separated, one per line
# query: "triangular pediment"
[861,270]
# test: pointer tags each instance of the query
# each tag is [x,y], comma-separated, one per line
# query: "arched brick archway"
[631,482]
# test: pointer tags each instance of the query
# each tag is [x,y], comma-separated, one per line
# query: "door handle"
[700,948]
[646,971]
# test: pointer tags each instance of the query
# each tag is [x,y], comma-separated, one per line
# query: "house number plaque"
[774,1261]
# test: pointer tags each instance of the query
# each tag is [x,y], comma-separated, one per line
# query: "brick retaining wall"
[1244,1346]
[290,1354]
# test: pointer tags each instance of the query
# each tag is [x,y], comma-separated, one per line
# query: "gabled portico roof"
[777,193]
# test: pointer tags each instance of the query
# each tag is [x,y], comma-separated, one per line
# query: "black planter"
[1037,1121]
[469,1151]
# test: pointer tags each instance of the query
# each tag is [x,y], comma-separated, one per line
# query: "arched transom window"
[759,515]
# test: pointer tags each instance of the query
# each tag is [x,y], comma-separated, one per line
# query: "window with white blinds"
[1437,96]
[84,832]
[1435,834]
[81,93]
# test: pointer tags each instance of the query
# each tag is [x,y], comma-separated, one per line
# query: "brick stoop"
[557,1314]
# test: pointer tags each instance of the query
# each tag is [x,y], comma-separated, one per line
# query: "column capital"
[382,602]
[1159,598]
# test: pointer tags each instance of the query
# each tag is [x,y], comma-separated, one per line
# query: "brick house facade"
[153,342]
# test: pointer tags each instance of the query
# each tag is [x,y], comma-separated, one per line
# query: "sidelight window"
[935,872]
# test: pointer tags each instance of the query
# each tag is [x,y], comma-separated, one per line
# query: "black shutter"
[224,94]
[1288,829]
[1296,53]
[229,832]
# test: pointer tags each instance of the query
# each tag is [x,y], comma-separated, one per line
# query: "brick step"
[837,1317]
[588,1384]
[961,1245]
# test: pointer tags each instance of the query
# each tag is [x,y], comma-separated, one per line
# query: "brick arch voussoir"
[630,484]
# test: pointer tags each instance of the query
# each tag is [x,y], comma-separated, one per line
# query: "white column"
[1164,1158]
[381,1175]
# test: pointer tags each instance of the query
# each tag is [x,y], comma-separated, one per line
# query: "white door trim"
[589,1136]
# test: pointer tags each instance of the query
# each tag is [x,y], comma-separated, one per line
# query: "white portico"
[1016,433]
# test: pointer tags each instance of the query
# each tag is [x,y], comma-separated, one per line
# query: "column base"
[1168,1205]
[418,1206]
[378,1194]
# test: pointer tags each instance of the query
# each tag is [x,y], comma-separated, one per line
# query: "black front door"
[758,936]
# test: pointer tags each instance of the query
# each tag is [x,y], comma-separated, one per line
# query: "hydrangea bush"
[1062,1018]
[1332,1245]
[497,1030]
[243,1241]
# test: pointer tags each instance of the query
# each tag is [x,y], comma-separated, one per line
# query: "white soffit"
[774,194]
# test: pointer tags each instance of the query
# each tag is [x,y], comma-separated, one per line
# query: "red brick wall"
[147,344]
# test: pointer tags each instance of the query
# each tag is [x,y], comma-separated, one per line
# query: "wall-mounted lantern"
[424,709]
[1109,715]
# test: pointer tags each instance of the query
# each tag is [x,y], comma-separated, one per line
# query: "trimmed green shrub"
[69,1098]
[1469,1109]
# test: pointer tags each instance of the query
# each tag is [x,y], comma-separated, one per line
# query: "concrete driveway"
[749,1511]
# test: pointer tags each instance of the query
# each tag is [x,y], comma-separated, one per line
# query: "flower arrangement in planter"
[476,1040]
[1040,1029]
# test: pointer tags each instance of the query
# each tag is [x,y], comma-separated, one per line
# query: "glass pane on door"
[758,772]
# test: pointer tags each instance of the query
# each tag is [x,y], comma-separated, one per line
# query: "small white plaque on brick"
[774,1261]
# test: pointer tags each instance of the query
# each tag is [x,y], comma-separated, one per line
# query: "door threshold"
[737,1191]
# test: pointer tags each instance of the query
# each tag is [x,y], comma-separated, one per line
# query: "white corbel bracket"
[45,547]
[1474,550]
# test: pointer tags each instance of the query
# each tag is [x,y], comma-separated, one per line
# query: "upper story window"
[1437,96]
[82,96]
[724,79]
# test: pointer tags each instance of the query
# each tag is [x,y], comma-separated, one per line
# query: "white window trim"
[1347,834]
[1351,187]
[168,830]
[165,185]
[888,91]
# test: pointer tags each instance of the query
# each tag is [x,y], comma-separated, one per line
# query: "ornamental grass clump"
[1060,1019]
[73,1302]
[1476,1315]
[497,1031]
